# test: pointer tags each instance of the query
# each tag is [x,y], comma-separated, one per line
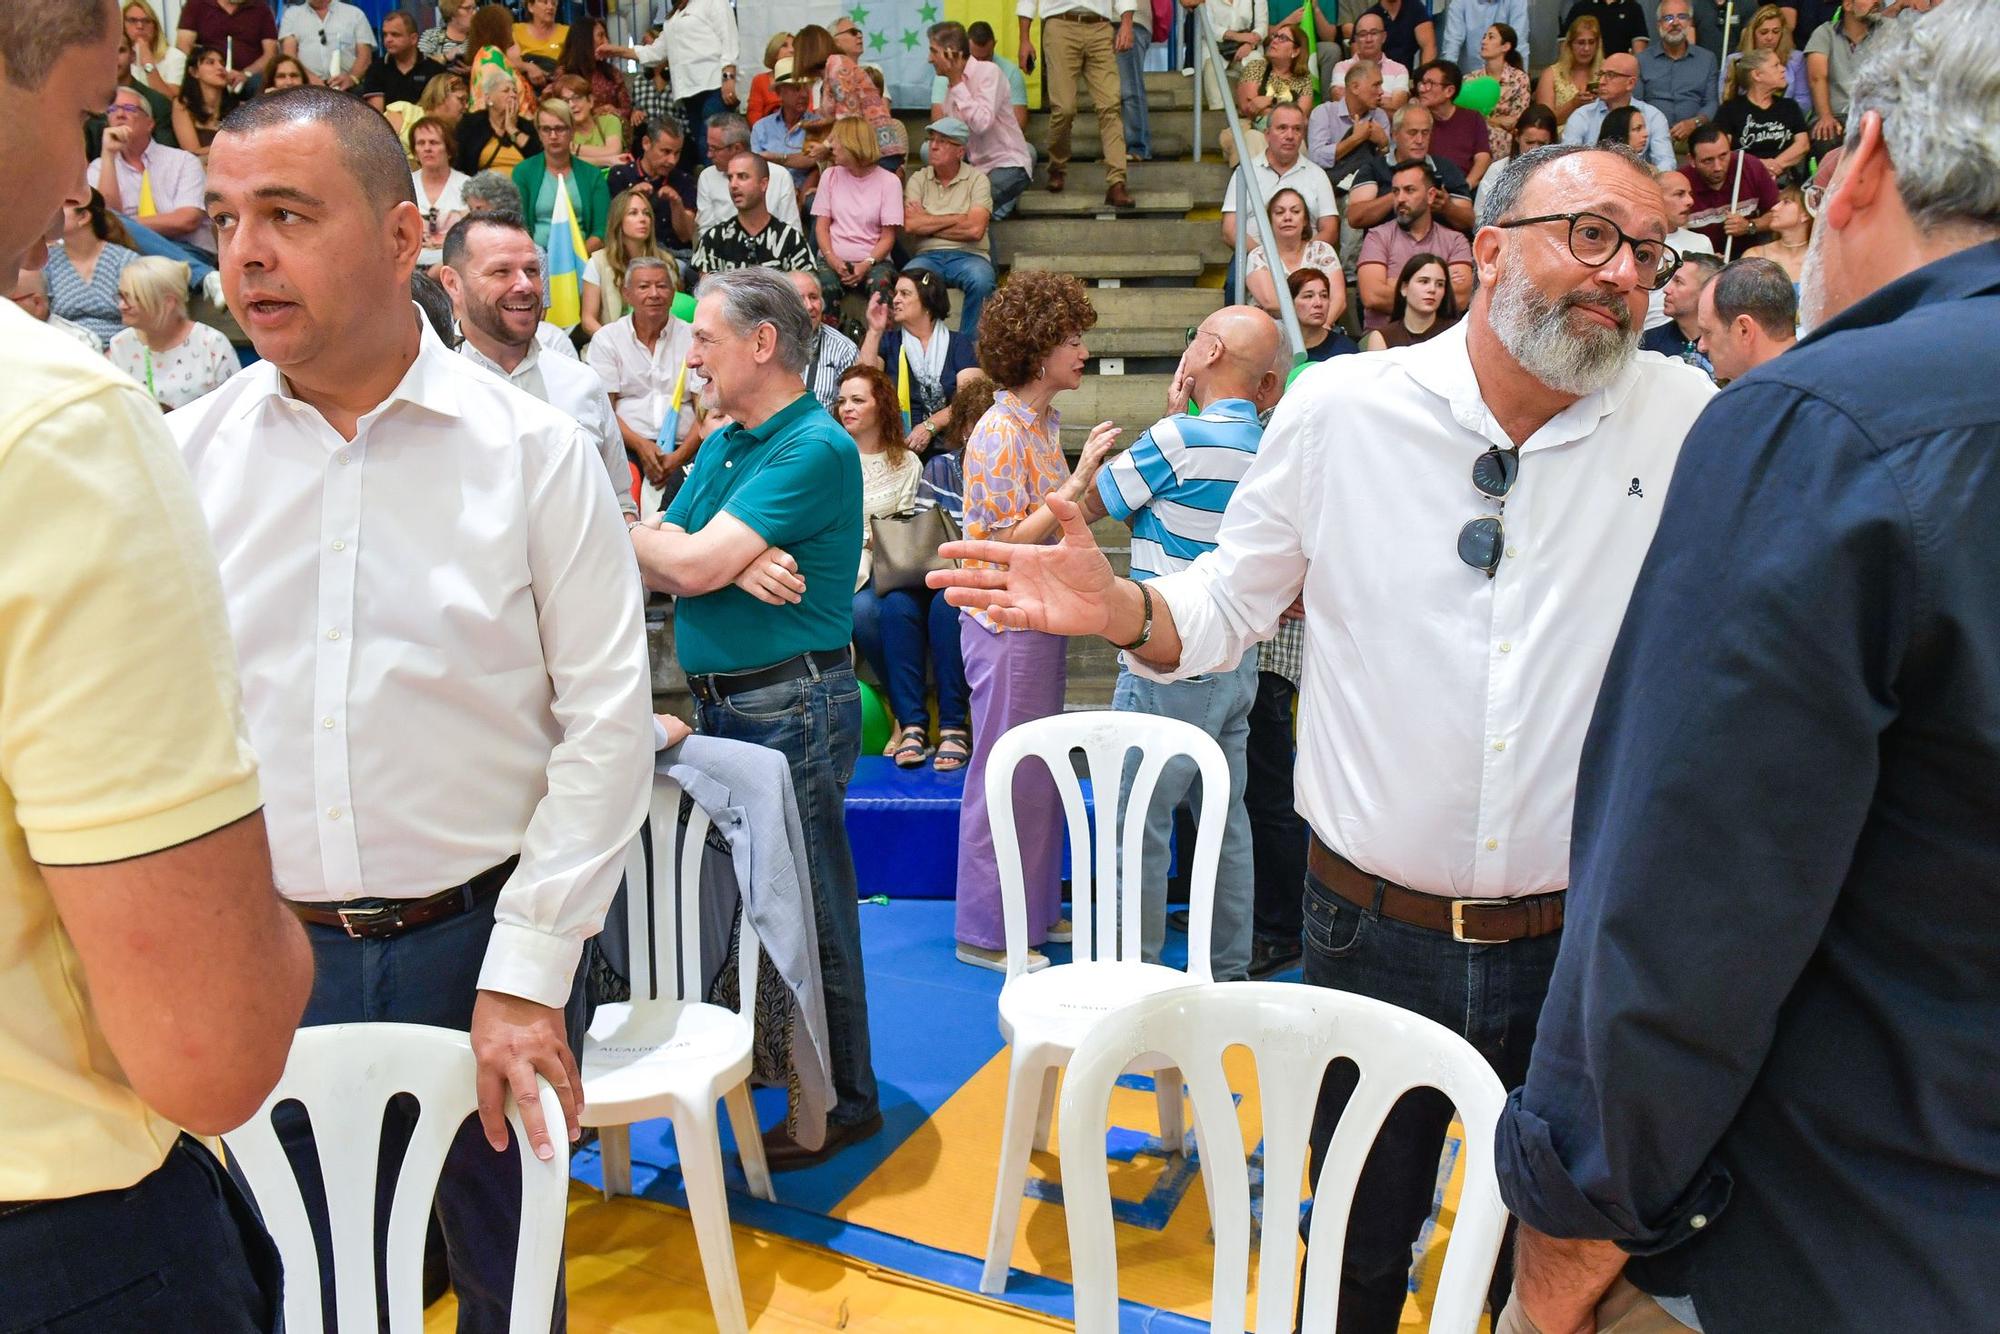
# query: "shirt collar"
[1012,404]
[1229,409]
[1443,365]
[478,358]
[428,383]
[1971,272]
[783,419]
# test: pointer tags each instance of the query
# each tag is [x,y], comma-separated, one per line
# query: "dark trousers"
[815,722]
[903,632]
[180,1251]
[427,975]
[1491,995]
[1278,833]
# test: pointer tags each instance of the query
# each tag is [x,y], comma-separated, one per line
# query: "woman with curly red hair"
[1031,347]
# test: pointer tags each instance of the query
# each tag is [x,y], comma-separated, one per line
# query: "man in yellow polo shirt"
[150,979]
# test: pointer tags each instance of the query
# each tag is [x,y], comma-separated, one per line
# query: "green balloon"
[1481,94]
[684,307]
[875,721]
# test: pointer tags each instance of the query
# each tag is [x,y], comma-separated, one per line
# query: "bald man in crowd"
[1171,487]
[1749,314]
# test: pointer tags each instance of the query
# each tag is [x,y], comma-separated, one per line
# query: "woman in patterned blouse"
[83,271]
[1031,346]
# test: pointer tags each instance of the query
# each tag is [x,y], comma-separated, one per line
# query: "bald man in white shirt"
[438,624]
[1454,659]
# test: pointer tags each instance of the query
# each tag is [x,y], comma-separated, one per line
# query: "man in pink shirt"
[980,98]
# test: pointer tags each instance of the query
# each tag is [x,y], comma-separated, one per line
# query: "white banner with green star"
[893,32]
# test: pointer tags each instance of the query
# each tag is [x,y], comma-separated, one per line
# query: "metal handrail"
[1248,192]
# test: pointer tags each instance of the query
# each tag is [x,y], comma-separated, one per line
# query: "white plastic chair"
[1294,1032]
[1045,1014]
[667,1052]
[345,1075]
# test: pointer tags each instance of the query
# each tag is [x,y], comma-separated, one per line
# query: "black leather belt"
[377,919]
[1470,921]
[714,687]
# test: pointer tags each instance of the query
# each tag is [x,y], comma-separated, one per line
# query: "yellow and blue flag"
[567,256]
[903,385]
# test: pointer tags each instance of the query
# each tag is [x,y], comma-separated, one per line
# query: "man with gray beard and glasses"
[1465,519]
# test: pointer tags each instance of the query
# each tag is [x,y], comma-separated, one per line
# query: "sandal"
[954,750]
[911,749]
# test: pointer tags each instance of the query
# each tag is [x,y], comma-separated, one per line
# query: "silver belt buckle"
[348,917]
[1458,907]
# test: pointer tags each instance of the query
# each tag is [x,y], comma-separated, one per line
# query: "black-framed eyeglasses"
[1595,240]
[1482,541]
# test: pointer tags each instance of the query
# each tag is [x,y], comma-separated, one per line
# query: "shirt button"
[327,723]
[1506,647]
[339,545]
[1699,1220]
[333,812]
[1499,745]
[343,459]
[1492,845]
[1511,551]
[333,634]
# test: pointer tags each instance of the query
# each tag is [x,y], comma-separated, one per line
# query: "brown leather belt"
[1470,921]
[1076,16]
[378,919]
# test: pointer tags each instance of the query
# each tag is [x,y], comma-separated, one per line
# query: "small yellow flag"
[146,206]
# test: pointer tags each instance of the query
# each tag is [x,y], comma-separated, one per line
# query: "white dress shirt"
[1105,9]
[698,43]
[641,380]
[344,29]
[1442,712]
[572,387]
[440,638]
[712,203]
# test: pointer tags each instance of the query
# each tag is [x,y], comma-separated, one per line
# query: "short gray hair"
[491,192]
[1760,289]
[1505,183]
[640,263]
[735,129]
[751,297]
[1935,80]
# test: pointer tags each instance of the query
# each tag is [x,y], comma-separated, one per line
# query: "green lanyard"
[149,375]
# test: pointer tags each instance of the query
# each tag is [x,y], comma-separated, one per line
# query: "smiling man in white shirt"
[1465,519]
[493,271]
[439,630]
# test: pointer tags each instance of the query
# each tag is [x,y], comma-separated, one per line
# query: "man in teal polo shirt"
[761,548]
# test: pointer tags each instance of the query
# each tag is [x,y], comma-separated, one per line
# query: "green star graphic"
[878,41]
[859,15]
[929,13]
[910,40]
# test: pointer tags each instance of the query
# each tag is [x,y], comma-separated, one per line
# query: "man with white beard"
[1465,519]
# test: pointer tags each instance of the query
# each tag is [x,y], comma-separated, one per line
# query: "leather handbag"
[906,546]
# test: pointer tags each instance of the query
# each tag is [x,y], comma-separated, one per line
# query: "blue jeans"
[815,721]
[901,632]
[1008,185]
[149,242]
[180,1251]
[1219,704]
[1132,90]
[970,273]
[695,112]
[1491,995]
[427,975]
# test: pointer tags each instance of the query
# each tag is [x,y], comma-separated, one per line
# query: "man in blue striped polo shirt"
[1172,487]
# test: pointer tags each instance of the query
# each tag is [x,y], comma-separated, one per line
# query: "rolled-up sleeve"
[1757,657]
[1231,597]
[600,769]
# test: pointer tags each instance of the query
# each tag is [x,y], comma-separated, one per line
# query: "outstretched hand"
[1064,589]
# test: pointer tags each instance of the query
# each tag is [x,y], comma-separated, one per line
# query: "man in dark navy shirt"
[1766,1084]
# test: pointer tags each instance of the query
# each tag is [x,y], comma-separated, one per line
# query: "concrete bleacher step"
[1085,146]
[1204,180]
[1129,236]
[1074,203]
[1177,125]
[1144,340]
[1099,265]
[1169,91]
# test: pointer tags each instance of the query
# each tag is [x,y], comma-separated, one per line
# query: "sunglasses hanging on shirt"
[1482,541]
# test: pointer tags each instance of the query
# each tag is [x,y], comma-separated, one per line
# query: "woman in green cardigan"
[539,177]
